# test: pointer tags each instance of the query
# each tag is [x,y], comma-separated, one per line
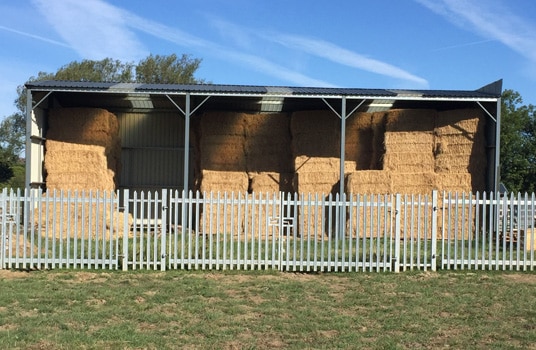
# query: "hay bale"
[321,182]
[222,123]
[82,150]
[272,182]
[454,182]
[224,181]
[378,121]
[410,120]
[368,182]
[408,162]
[413,183]
[405,141]
[359,140]
[460,122]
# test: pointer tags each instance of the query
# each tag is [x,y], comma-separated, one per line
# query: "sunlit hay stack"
[82,150]
[461,145]
[409,141]
[367,184]
[271,182]
[81,215]
[222,143]
[77,167]
[230,183]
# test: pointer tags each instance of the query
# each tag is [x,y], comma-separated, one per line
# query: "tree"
[518,143]
[153,69]
[167,70]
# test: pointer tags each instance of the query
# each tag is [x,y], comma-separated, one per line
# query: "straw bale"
[460,121]
[412,120]
[409,162]
[92,126]
[529,239]
[81,219]
[454,182]
[322,182]
[317,144]
[267,125]
[319,164]
[224,181]
[378,140]
[404,141]
[271,182]
[266,154]
[366,217]
[368,181]
[222,123]
[83,149]
[413,183]
[359,140]
[222,219]
[315,122]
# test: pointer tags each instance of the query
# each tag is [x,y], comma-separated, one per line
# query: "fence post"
[433,256]
[398,206]
[126,202]
[3,236]
[163,218]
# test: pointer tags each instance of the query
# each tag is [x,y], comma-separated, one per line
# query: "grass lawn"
[69,309]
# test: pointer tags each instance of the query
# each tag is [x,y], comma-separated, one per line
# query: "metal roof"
[489,92]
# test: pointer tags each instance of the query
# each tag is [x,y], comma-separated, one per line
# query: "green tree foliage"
[518,143]
[169,69]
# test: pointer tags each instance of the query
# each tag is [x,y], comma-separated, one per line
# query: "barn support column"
[187,113]
[493,170]
[343,116]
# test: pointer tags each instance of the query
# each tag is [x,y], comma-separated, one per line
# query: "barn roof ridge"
[492,90]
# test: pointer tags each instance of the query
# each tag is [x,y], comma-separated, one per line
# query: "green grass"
[62,309]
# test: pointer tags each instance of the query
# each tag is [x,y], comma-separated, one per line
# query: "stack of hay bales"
[409,141]
[460,152]
[315,149]
[83,149]
[222,152]
[267,150]
[222,162]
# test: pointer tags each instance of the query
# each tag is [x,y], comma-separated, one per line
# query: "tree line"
[518,121]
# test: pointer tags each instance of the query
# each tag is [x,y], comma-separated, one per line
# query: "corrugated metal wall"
[152,153]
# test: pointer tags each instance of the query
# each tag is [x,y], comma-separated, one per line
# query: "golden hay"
[460,121]
[409,162]
[401,142]
[315,122]
[267,125]
[224,181]
[412,120]
[271,182]
[82,150]
[413,183]
[368,181]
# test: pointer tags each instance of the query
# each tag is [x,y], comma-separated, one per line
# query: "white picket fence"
[175,230]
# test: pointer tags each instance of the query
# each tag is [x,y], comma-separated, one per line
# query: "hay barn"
[84,135]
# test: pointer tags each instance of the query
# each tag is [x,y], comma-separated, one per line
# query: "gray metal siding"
[152,150]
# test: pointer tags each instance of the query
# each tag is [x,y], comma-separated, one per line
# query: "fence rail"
[175,230]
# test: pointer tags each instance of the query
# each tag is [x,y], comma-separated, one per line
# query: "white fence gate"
[174,230]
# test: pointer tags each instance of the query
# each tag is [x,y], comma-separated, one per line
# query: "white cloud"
[93,28]
[345,57]
[33,36]
[492,20]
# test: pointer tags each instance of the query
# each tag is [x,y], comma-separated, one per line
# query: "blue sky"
[404,44]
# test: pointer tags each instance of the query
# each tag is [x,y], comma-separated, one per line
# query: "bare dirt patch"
[521,278]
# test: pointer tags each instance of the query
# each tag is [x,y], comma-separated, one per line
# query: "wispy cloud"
[33,36]
[93,28]
[337,54]
[320,48]
[492,20]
